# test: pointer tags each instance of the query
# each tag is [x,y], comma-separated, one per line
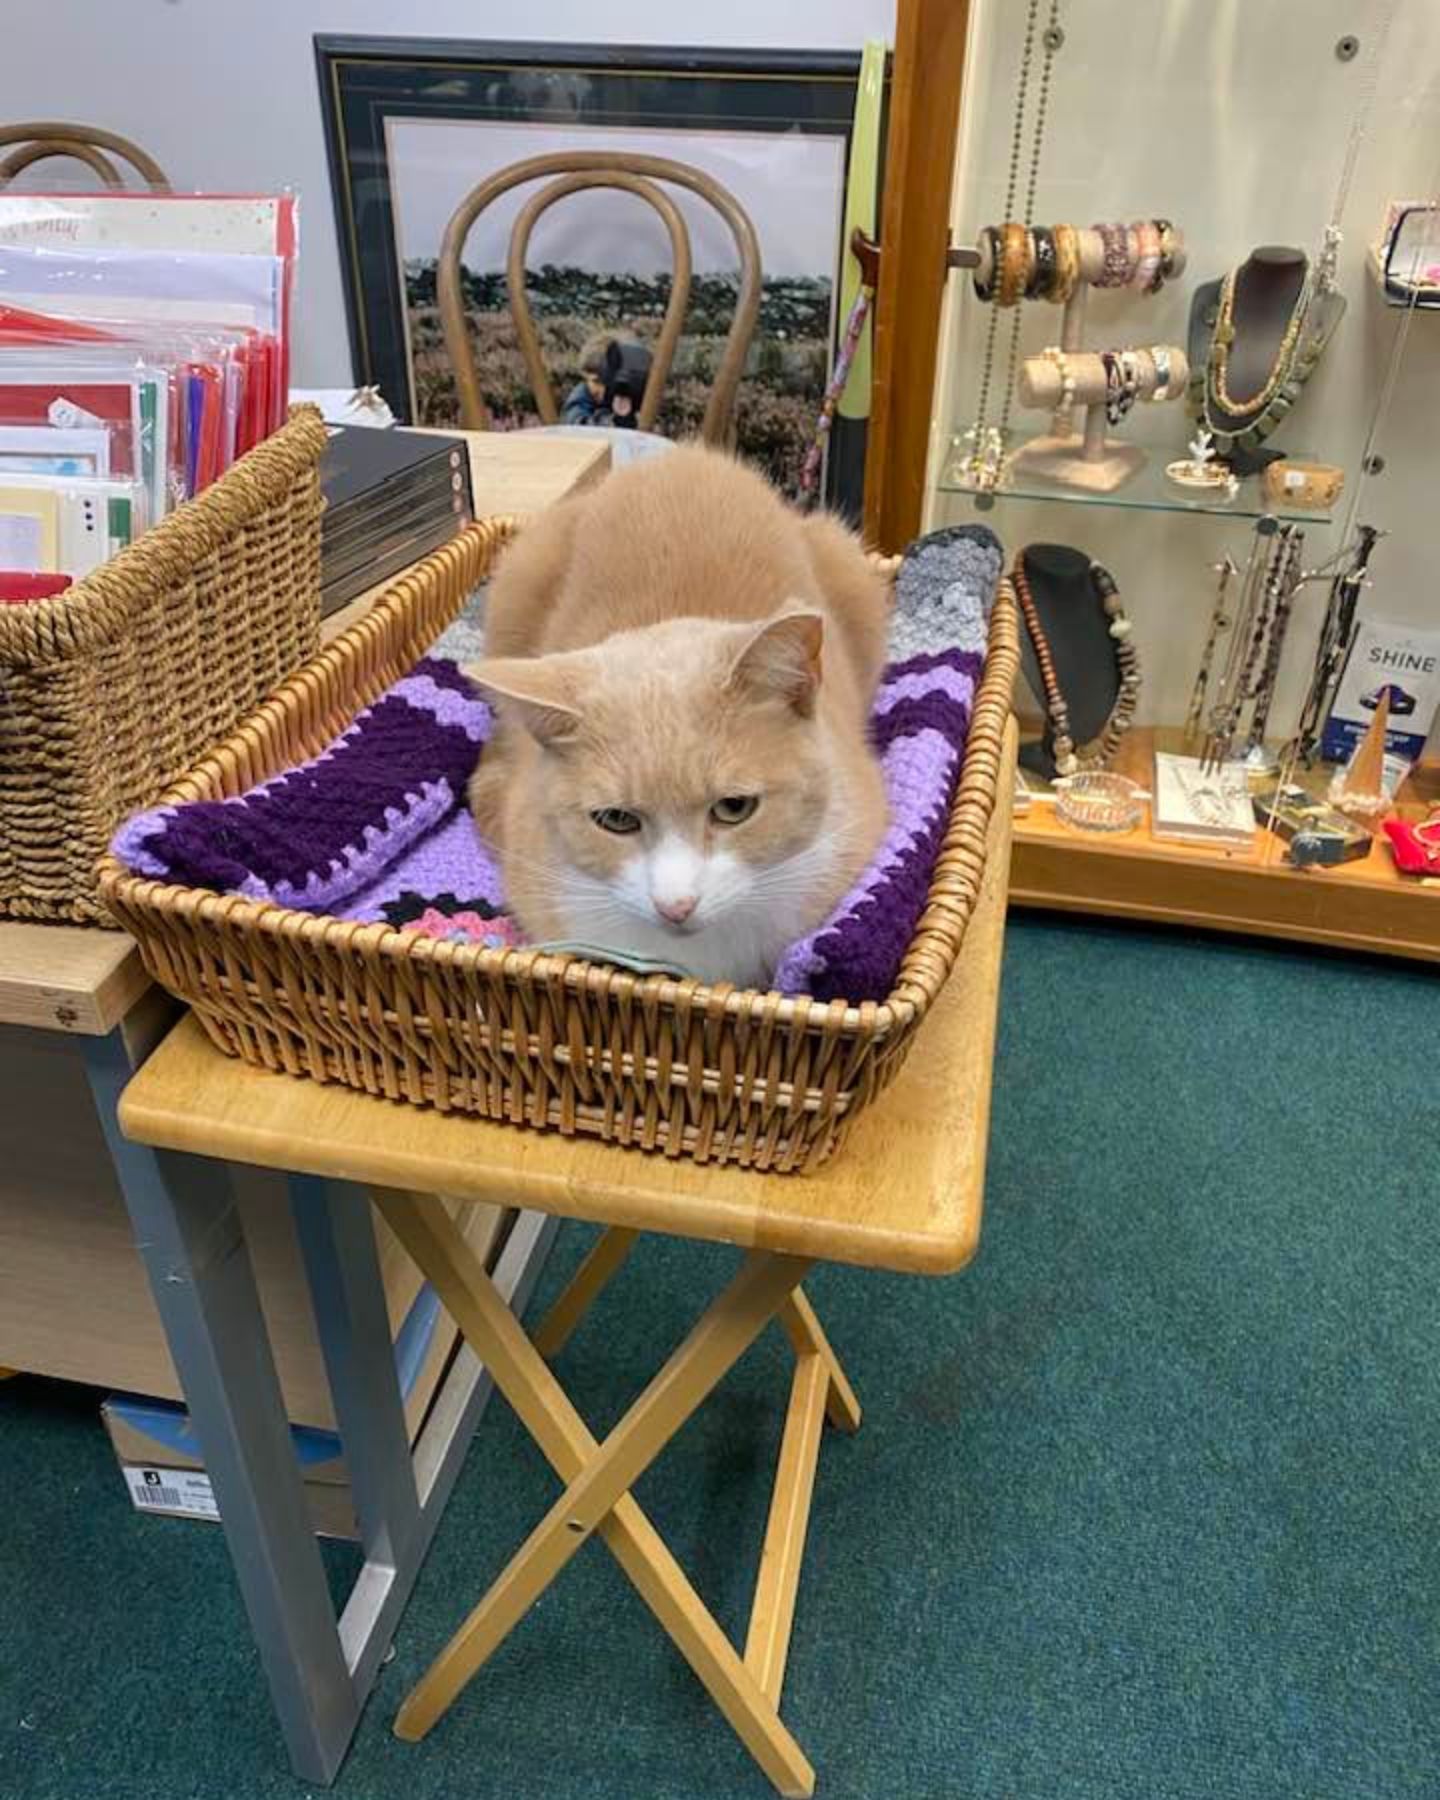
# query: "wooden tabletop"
[68,977]
[904,1192]
[84,979]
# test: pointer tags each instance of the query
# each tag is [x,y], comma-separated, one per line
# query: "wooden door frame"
[926,74]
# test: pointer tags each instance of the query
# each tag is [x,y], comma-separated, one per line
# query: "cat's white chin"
[740,942]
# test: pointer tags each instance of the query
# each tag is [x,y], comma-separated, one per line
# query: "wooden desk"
[77,1009]
[904,1193]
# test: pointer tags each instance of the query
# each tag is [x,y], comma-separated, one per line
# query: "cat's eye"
[618,819]
[734,809]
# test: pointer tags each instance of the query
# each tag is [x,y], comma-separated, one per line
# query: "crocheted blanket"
[376,826]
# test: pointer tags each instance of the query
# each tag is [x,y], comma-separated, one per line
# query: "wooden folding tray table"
[904,1193]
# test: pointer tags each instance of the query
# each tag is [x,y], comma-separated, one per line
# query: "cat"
[683,668]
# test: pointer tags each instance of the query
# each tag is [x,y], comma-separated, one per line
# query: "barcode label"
[171,1490]
[157,1496]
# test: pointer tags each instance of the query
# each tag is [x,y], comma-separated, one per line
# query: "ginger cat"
[683,668]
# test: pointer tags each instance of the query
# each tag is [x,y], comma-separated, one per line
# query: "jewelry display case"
[1177,383]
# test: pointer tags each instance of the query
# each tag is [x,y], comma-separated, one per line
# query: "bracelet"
[1042,278]
[1167,250]
[989,239]
[1054,354]
[1122,383]
[1147,261]
[1016,259]
[1067,262]
[1160,356]
[1116,269]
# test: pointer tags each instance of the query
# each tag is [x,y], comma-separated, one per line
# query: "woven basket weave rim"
[388,619]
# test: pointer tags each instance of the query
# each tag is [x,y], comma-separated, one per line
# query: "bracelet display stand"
[1078,634]
[1089,458]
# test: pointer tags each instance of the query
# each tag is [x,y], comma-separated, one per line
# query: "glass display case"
[1190,377]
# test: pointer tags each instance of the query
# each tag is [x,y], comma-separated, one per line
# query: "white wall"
[1231,117]
[224,96]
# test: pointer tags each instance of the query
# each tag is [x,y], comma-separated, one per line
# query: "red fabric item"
[19,588]
[1414,853]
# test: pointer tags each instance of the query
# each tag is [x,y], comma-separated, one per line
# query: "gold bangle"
[1067,262]
[1015,261]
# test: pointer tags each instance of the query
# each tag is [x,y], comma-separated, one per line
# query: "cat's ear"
[537,691]
[781,661]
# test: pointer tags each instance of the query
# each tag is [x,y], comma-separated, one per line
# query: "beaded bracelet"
[989,240]
[1115,271]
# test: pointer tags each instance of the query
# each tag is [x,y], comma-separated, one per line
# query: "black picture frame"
[367,82]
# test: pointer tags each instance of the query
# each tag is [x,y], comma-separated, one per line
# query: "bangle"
[1054,354]
[1015,263]
[1160,356]
[1169,244]
[1116,269]
[1067,262]
[1147,275]
[1042,280]
[989,240]
[1122,383]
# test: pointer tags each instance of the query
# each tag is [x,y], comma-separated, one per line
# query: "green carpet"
[1146,1502]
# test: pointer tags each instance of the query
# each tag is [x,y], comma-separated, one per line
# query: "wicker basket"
[111,689]
[538,1040]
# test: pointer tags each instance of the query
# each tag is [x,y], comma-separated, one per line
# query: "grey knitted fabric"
[943,595]
[944,592]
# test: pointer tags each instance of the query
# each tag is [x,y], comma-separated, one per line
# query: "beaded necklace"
[1095,755]
[984,463]
[1299,351]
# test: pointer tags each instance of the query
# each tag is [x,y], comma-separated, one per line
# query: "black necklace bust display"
[1077,630]
[1275,324]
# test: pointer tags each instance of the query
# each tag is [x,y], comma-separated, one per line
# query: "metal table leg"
[188,1230]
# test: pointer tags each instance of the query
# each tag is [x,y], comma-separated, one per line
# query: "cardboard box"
[159,1453]
[75,1301]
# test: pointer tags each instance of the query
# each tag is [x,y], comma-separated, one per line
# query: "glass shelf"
[1148,490]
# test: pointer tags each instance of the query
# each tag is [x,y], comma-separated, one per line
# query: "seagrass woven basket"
[113,688]
[538,1040]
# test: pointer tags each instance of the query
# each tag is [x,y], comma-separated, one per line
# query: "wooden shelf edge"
[1213,895]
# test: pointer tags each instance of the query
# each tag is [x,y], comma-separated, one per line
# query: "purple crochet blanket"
[376,827]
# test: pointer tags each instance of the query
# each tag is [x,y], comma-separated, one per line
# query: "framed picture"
[413,125]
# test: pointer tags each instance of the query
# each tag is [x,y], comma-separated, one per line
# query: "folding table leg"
[584,1286]
[188,1231]
[545,1410]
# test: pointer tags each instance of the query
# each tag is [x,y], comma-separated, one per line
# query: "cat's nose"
[676,912]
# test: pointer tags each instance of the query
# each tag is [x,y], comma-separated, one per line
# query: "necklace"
[1127,661]
[1284,584]
[984,464]
[1230,691]
[1375,48]
[1227,572]
[1336,635]
[1217,390]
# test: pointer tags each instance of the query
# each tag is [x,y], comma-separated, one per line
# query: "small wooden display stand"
[1363,905]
